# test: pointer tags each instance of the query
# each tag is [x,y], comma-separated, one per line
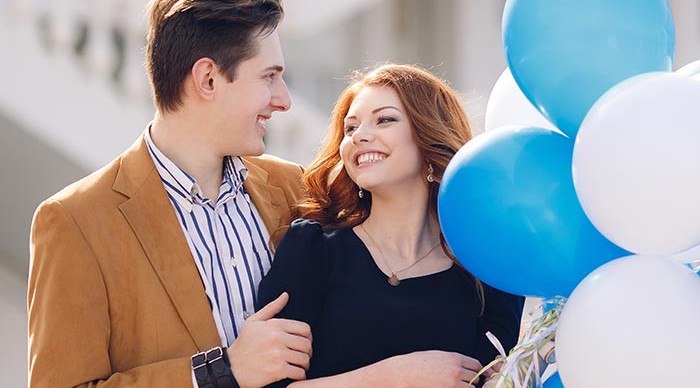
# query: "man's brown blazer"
[114,294]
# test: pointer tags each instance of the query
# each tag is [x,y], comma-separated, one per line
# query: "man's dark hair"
[181,32]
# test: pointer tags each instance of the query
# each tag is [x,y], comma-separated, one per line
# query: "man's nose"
[281,99]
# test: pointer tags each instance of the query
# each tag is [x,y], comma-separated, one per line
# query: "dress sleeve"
[300,267]
[501,316]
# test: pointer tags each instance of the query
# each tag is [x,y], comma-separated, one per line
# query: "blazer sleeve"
[301,267]
[501,316]
[68,307]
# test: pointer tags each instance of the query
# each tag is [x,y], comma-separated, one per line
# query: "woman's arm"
[432,368]
[300,268]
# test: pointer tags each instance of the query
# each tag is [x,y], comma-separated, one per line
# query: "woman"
[367,265]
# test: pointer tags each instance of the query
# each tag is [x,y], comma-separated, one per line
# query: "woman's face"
[378,150]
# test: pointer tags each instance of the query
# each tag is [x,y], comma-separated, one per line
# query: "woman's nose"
[362,134]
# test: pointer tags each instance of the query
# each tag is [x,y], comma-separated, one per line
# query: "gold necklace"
[393,279]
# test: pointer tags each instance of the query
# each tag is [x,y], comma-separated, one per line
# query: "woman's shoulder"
[307,244]
[305,224]
[309,231]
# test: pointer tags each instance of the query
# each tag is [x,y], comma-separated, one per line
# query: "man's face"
[245,105]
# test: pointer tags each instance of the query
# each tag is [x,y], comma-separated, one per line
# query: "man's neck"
[186,142]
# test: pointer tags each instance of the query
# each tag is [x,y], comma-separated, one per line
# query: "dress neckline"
[378,271]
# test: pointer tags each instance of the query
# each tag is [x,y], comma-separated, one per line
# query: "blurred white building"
[73,93]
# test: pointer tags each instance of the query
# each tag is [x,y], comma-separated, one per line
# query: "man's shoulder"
[95,183]
[100,183]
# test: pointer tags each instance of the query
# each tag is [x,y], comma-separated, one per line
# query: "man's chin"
[255,151]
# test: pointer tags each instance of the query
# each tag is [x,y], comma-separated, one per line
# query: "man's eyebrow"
[276,68]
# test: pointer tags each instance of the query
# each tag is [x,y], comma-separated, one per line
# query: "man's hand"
[270,349]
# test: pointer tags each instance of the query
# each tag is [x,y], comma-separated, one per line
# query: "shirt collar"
[235,173]
[184,188]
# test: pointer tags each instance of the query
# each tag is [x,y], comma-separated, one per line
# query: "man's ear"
[203,74]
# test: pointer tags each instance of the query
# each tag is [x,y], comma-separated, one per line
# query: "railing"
[104,38]
[72,74]
[75,78]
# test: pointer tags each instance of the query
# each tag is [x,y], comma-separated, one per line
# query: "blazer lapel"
[152,218]
[268,198]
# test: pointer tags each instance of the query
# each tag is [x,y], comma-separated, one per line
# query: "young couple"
[146,272]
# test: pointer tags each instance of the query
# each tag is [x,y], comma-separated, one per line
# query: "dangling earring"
[430,177]
[361,193]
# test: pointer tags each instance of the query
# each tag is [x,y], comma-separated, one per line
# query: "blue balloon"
[509,212]
[553,381]
[564,54]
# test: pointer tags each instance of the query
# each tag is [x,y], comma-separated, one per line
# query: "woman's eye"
[350,129]
[385,119]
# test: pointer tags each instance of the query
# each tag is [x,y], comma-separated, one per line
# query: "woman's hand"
[432,368]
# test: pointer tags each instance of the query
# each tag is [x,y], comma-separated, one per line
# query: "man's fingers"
[299,359]
[295,372]
[299,344]
[271,309]
[291,326]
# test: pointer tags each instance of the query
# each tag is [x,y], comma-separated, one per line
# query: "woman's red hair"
[439,124]
[440,128]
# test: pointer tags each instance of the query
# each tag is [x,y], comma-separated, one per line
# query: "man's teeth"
[370,157]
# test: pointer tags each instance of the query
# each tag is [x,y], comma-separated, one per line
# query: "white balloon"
[507,105]
[636,164]
[632,322]
[691,69]
[691,255]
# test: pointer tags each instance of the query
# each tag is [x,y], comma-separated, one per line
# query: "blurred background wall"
[73,93]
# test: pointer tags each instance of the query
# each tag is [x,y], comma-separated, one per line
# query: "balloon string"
[695,267]
[524,365]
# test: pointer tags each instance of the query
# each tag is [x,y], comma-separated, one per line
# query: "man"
[145,271]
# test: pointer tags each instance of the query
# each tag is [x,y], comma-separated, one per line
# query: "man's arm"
[69,321]
[70,324]
[270,349]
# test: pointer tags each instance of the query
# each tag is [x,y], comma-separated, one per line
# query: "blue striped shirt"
[227,237]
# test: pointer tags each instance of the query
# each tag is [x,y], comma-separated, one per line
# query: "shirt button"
[233,262]
[246,315]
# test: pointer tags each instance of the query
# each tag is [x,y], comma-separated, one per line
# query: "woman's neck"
[402,228]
